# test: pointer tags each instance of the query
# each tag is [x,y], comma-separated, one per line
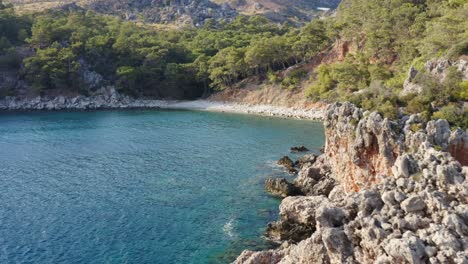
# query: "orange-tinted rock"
[458,146]
[358,148]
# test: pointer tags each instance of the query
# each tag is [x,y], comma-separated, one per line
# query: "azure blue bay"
[139,186]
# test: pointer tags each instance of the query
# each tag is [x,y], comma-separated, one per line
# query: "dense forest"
[392,36]
[74,51]
[139,59]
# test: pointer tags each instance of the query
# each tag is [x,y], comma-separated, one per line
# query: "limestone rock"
[409,250]
[458,146]
[358,148]
[281,187]
[102,98]
[413,204]
[337,244]
[409,86]
[297,220]
[250,257]
[398,195]
[287,163]
[306,160]
[439,133]
[310,250]
[404,166]
[439,67]
[330,217]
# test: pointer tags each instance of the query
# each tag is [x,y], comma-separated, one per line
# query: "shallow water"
[139,186]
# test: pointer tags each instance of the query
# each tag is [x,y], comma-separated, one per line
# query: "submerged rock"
[299,149]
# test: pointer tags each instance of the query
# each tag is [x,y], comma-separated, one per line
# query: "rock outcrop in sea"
[382,192]
[299,149]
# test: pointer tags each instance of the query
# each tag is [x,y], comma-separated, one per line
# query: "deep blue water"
[139,186]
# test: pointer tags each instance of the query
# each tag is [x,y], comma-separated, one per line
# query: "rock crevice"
[394,194]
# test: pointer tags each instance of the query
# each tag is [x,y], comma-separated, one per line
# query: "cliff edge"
[382,192]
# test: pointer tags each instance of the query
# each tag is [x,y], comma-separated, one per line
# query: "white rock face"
[409,86]
[438,68]
[415,211]
[413,204]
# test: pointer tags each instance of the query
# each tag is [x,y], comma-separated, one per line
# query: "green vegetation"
[454,115]
[390,36]
[147,61]
[13,31]
[385,38]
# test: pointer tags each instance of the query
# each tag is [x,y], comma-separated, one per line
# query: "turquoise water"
[139,186]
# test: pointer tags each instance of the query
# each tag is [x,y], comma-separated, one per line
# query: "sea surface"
[140,186]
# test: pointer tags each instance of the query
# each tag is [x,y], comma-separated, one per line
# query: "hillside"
[401,57]
[281,10]
[391,183]
[190,12]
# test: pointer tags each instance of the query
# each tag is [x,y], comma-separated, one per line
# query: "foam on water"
[228,228]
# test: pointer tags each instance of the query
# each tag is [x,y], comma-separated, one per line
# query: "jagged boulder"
[297,218]
[406,250]
[305,160]
[410,86]
[458,145]
[438,133]
[413,204]
[287,163]
[281,187]
[314,179]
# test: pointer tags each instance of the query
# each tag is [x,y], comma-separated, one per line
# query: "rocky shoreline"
[109,98]
[382,192]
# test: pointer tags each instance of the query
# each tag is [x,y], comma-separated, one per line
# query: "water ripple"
[139,186]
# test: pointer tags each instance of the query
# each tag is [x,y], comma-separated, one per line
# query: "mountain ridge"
[191,12]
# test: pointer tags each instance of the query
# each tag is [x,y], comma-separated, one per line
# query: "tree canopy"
[73,48]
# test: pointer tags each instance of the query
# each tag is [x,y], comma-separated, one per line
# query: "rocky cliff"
[382,192]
